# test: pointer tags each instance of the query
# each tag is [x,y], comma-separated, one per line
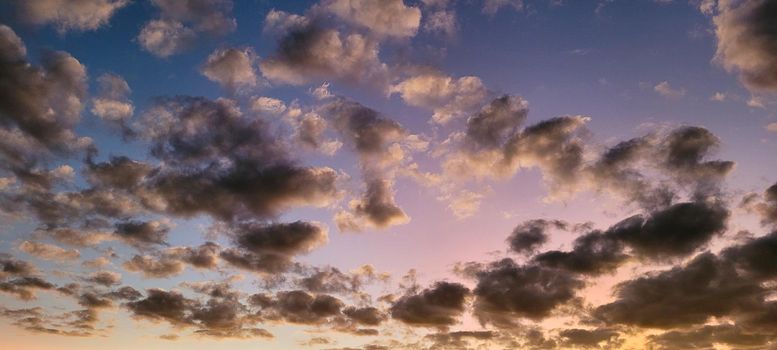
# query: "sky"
[393,174]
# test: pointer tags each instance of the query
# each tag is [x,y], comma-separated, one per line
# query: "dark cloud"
[377,207]
[39,106]
[706,337]
[125,293]
[498,120]
[676,231]
[104,278]
[270,248]
[585,338]
[686,149]
[118,173]
[12,267]
[142,233]
[204,256]
[307,51]
[368,131]
[154,267]
[371,135]
[530,235]
[171,306]
[507,291]
[755,257]
[368,316]
[437,306]
[553,145]
[224,164]
[593,253]
[298,307]
[91,300]
[747,40]
[24,287]
[683,296]
[764,205]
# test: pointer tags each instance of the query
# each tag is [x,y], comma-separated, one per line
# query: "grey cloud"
[81,15]
[747,40]
[104,278]
[683,296]
[154,267]
[507,291]
[142,233]
[182,21]
[307,52]
[530,235]
[437,306]
[230,166]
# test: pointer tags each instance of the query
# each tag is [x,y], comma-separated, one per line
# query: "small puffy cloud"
[530,235]
[104,278]
[165,38]
[391,18]
[267,105]
[142,233]
[232,68]
[181,22]
[448,97]
[667,90]
[507,292]
[376,209]
[49,251]
[152,267]
[491,7]
[69,15]
[112,101]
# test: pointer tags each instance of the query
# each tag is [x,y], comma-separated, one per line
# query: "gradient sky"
[393,174]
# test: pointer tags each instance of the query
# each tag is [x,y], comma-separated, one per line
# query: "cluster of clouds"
[216,159]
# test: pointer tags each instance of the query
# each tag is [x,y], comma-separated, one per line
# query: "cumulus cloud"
[391,18]
[40,105]
[49,251]
[232,68]
[298,307]
[375,139]
[104,278]
[507,292]
[270,248]
[686,295]
[530,235]
[308,52]
[230,166]
[746,41]
[112,102]
[438,306]
[180,23]
[448,97]
[152,267]
[80,15]
[142,233]
[765,205]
